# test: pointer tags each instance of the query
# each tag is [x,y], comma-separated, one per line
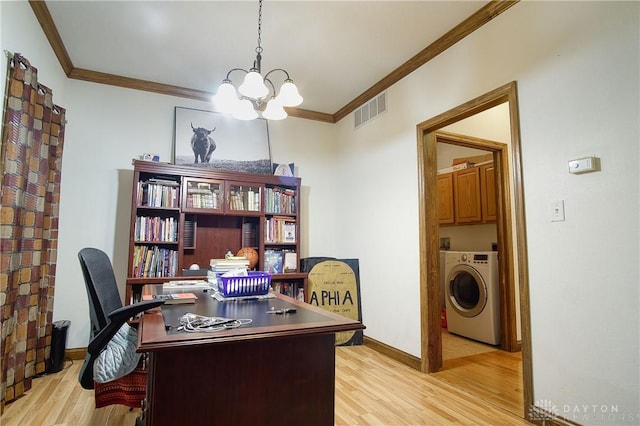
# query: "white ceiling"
[333,50]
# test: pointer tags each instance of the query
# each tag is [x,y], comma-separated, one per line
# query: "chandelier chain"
[248,99]
[259,48]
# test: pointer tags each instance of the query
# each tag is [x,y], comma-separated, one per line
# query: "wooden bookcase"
[184,215]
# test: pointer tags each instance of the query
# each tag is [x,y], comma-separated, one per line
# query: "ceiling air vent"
[370,110]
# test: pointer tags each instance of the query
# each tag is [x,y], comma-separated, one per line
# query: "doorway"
[511,232]
[500,231]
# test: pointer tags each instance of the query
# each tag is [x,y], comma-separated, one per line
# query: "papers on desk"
[187,285]
[220,297]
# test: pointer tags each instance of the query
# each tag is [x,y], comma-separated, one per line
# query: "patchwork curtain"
[30,172]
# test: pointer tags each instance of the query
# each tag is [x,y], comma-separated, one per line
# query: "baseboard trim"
[393,353]
[75,353]
[542,417]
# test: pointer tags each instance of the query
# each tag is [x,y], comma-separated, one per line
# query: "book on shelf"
[273,261]
[290,261]
[280,229]
[154,261]
[241,198]
[156,229]
[158,193]
[280,200]
[172,298]
[289,232]
[165,180]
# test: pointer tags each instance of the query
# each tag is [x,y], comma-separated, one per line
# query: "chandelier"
[256,89]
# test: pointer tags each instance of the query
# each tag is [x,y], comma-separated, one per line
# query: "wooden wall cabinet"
[467,196]
[446,214]
[187,215]
[488,188]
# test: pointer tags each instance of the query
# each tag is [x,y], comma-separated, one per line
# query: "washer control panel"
[481,258]
[474,258]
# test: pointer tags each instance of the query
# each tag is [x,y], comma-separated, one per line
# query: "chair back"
[102,288]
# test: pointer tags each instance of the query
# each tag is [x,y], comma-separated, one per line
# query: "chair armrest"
[123,314]
[117,318]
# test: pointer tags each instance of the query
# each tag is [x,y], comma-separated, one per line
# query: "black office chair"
[105,306]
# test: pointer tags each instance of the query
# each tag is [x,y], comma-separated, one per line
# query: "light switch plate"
[557,211]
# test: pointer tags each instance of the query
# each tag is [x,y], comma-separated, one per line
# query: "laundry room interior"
[470,293]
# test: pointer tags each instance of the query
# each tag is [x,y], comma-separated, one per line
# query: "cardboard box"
[473,159]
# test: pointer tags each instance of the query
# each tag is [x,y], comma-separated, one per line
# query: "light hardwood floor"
[484,371]
[371,389]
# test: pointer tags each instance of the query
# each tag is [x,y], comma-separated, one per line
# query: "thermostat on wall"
[584,165]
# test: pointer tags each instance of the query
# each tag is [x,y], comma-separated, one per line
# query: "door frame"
[510,249]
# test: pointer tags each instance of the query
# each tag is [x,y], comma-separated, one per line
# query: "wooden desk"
[280,370]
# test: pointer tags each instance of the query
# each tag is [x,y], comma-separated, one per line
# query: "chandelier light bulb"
[253,86]
[245,110]
[289,95]
[274,110]
[226,99]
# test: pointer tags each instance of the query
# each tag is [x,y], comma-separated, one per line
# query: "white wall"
[312,146]
[576,65]
[579,98]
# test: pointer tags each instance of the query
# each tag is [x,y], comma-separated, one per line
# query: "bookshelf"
[188,215]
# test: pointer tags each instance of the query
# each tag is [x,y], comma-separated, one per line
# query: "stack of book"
[172,298]
[220,266]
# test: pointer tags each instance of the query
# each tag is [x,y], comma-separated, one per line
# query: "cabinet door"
[444,189]
[488,182]
[202,195]
[242,197]
[466,189]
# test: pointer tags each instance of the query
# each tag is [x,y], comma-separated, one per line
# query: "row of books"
[279,229]
[280,261]
[245,199]
[154,261]
[280,200]
[158,194]
[156,229]
[203,200]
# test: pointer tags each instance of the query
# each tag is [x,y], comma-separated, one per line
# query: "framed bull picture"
[212,140]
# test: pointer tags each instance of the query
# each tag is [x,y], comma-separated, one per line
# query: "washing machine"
[473,295]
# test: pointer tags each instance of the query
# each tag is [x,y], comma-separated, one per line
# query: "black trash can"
[58,345]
